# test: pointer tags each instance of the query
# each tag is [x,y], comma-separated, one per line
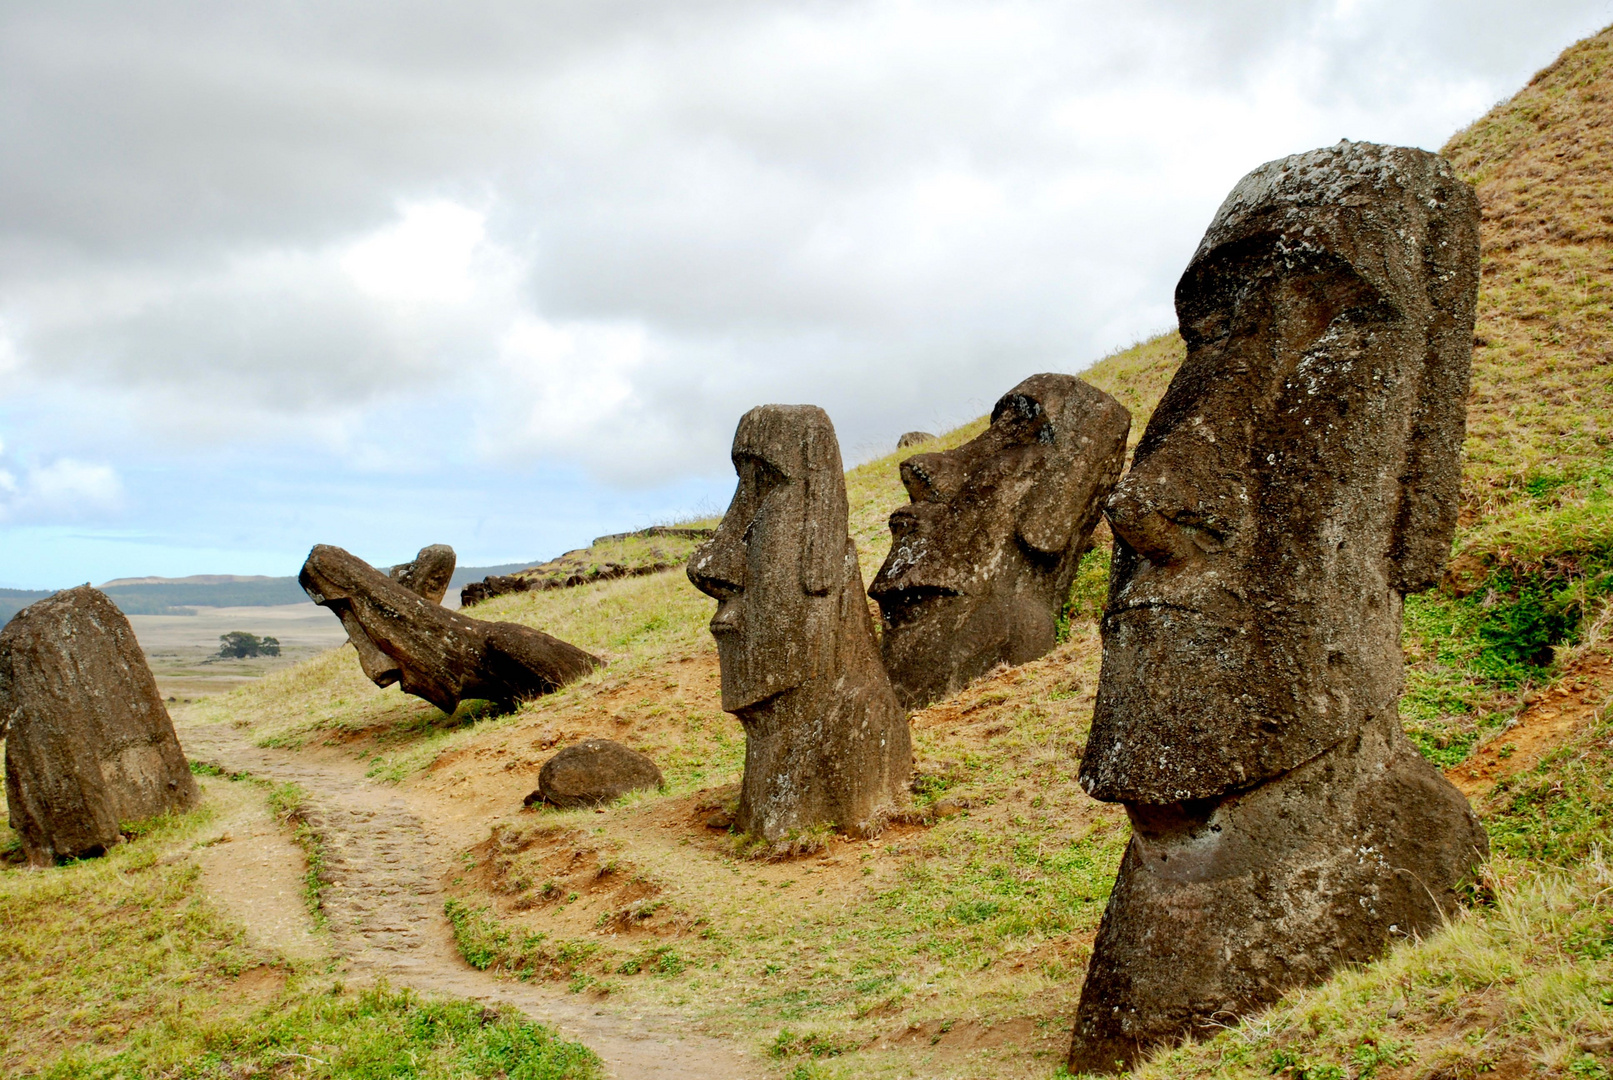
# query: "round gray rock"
[592,773]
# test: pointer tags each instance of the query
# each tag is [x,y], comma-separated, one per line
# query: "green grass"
[117,967]
[377,1033]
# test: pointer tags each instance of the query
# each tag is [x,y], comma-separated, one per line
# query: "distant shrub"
[238,644]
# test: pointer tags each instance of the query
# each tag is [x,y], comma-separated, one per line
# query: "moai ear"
[1431,481]
[1046,515]
[823,499]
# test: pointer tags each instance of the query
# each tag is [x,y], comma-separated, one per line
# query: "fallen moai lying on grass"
[826,741]
[1299,477]
[436,654]
[89,743]
[593,772]
[428,574]
[982,559]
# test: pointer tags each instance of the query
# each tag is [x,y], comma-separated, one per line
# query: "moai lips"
[982,558]
[825,739]
[436,654]
[1298,478]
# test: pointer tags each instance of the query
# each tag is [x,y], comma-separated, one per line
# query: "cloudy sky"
[505,274]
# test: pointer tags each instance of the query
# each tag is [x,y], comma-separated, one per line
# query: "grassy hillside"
[953,945]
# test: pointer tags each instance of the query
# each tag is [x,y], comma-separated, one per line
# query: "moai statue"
[436,654]
[429,573]
[89,743]
[1298,479]
[982,558]
[826,741]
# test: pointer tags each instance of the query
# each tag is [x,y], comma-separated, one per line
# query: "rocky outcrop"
[433,653]
[914,438]
[982,559]
[1298,478]
[429,573]
[826,741]
[89,743]
[608,558]
[592,773]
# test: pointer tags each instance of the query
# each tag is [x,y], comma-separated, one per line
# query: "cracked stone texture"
[826,740]
[1298,478]
[982,558]
[89,743]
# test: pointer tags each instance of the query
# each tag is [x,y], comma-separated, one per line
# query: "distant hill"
[179,596]
[14,600]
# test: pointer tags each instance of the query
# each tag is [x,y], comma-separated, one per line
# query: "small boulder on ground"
[89,743]
[913,438]
[593,773]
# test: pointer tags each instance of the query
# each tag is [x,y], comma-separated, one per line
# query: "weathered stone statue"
[1297,480]
[982,558]
[436,654]
[429,573]
[825,738]
[88,741]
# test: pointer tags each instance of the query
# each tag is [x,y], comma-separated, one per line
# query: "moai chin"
[982,558]
[825,739]
[1299,477]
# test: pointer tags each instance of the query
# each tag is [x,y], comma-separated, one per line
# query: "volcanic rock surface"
[826,741]
[594,772]
[982,559]
[434,653]
[89,743]
[1298,478]
[428,574]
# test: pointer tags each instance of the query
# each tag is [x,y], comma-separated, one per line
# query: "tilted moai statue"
[825,738]
[428,574]
[982,558]
[1299,477]
[89,743]
[436,654]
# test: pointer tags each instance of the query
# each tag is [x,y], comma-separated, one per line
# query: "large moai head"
[1298,478]
[983,556]
[826,741]
[777,562]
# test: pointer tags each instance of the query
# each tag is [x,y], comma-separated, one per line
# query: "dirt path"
[1584,691]
[385,911]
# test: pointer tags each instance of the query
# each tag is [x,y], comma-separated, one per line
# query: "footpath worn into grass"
[118,968]
[953,945]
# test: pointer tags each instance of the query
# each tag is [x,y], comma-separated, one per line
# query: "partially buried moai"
[428,573]
[89,744]
[1298,478]
[825,739]
[982,558]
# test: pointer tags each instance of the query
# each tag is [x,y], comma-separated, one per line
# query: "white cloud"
[426,257]
[63,490]
[599,237]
